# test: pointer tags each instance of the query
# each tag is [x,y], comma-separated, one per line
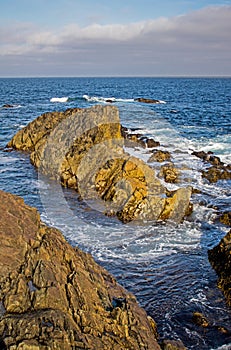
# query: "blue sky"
[100,38]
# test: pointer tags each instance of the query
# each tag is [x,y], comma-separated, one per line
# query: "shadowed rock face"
[54,296]
[84,150]
[220,259]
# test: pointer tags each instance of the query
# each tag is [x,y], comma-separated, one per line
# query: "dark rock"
[208,157]
[152,143]
[215,174]
[54,296]
[136,138]
[220,259]
[7,106]
[200,320]
[146,100]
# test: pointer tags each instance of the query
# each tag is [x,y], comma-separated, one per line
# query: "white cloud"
[193,35]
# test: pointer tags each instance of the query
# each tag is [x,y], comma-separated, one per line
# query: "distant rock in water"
[220,259]
[7,106]
[54,296]
[146,100]
[84,150]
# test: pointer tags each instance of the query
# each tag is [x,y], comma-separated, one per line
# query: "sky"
[115,38]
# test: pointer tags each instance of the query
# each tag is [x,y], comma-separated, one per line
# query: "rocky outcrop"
[220,259]
[84,150]
[54,296]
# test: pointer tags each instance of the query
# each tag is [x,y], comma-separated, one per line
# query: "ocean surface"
[164,265]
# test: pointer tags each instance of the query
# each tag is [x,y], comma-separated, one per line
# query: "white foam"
[59,99]
[106,99]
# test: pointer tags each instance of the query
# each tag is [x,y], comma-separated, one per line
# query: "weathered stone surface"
[54,296]
[220,259]
[83,149]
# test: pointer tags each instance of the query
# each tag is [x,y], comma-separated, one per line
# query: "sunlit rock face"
[84,150]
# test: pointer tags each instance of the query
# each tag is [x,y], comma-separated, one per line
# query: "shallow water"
[164,265]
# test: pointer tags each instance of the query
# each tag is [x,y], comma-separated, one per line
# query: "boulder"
[84,150]
[220,259]
[54,296]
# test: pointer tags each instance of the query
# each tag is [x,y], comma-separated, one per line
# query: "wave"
[98,99]
[59,99]
[114,99]
[10,106]
[106,99]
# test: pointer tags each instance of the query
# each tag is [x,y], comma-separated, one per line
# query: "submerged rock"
[54,296]
[220,259]
[84,150]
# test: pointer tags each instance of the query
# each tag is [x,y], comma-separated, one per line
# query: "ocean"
[166,266]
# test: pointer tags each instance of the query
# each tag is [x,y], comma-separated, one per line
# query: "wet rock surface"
[54,296]
[220,259]
[84,150]
[218,170]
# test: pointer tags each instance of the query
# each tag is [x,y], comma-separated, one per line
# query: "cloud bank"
[197,43]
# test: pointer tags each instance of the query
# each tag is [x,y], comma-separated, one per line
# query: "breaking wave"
[59,99]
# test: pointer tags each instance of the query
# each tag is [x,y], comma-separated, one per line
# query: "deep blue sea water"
[165,266]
